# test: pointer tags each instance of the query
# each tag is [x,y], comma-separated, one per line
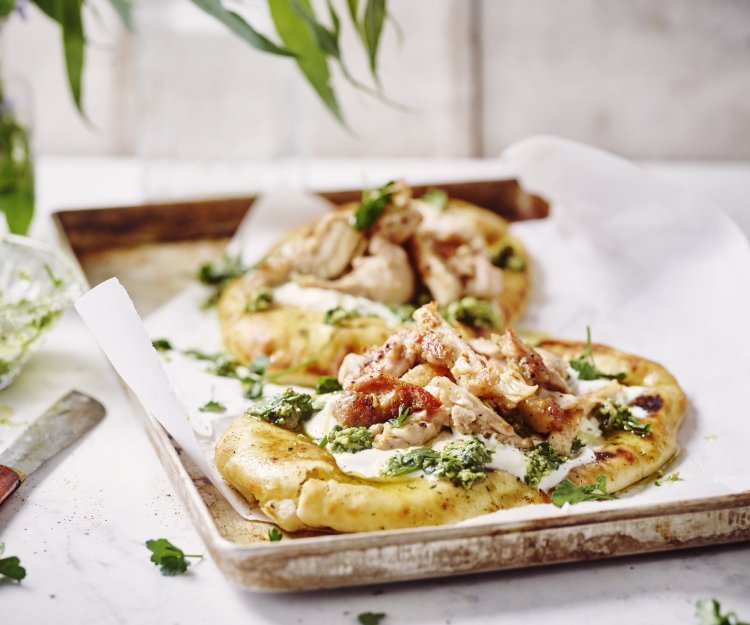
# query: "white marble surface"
[80,522]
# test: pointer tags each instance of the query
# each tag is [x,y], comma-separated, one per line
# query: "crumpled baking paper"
[651,269]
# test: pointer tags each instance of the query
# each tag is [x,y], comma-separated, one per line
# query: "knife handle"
[10,480]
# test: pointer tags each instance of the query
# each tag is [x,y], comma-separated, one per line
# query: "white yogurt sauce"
[548,482]
[291,294]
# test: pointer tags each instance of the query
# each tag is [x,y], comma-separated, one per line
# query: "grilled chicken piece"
[415,431]
[395,357]
[422,374]
[557,369]
[397,225]
[383,275]
[328,249]
[556,414]
[444,286]
[469,415]
[440,344]
[376,399]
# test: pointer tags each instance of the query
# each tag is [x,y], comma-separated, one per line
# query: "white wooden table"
[80,522]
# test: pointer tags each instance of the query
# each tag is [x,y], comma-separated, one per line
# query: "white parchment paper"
[652,270]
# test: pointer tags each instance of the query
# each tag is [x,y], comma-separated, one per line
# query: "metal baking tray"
[154,250]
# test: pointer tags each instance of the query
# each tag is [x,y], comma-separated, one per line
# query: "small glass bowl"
[37,284]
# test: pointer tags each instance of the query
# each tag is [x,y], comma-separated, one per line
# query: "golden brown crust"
[293,335]
[626,457]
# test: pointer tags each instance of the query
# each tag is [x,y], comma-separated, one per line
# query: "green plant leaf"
[68,15]
[124,11]
[240,27]
[297,35]
[374,18]
[6,7]
[327,40]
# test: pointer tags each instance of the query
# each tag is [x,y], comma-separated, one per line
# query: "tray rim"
[224,550]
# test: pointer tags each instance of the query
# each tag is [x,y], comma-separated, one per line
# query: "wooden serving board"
[155,249]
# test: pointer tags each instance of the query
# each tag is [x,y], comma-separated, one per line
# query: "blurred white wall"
[667,79]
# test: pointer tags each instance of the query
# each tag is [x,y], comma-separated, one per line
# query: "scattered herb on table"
[567,492]
[403,414]
[162,345]
[508,258]
[170,559]
[213,406]
[614,416]
[274,535]
[474,312]
[462,462]
[327,384]
[541,461]
[288,409]
[436,197]
[370,618]
[347,440]
[374,202]
[708,612]
[10,567]
[586,368]
[672,477]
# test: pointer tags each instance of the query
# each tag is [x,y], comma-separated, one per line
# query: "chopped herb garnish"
[586,368]
[213,406]
[370,618]
[475,312]
[274,535]
[374,202]
[541,461]
[403,415]
[218,275]
[567,492]
[171,559]
[404,312]
[613,416]
[708,612]
[462,462]
[327,384]
[259,364]
[437,197]
[262,299]
[286,410]
[576,446]
[347,440]
[10,567]
[336,316]
[162,345]
[672,477]
[507,258]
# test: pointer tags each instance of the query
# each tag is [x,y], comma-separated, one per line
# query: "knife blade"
[65,422]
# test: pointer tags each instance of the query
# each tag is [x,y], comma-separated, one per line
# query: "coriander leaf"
[374,202]
[327,384]
[261,299]
[437,197]
[370,618]
[274,535]
[567,492]
[253,388]
[286,410]
[672,477]
[474,312]
[11,567]
[336,316]
[541,461]
[259,365]
[708,612]
[614,416]
[171,559]
[212,406]
[586,368]
[221,271]
[507,258]
[403,414]
[161,345]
